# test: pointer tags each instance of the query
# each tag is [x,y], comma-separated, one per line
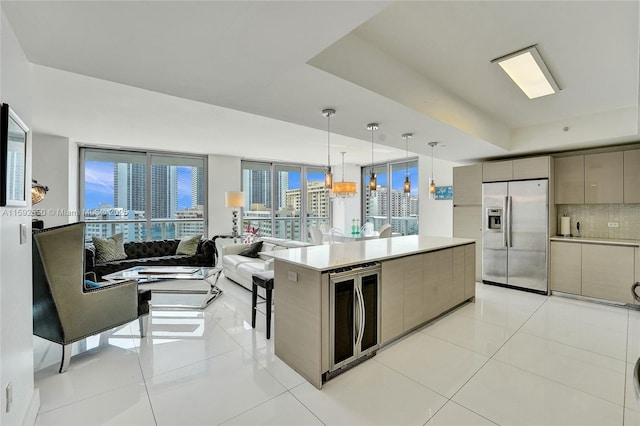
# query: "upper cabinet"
[467,185]
[632,176]
[569,180]
[603,178]
[497,171]
[520,169]
[531,168]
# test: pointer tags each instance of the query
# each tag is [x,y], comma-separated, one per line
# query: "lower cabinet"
[608,272]
[594,270]
[565,273]
[418,288]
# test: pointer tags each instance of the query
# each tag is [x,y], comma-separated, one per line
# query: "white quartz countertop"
[331,256]
[588,240]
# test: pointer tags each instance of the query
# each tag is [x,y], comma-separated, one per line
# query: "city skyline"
[100,185]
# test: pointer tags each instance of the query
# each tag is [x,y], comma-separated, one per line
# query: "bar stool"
[264,280]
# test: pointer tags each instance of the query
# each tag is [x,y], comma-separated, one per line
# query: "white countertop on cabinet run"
[331,256]
[589,240]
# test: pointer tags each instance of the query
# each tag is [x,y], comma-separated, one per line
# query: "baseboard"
[32,410]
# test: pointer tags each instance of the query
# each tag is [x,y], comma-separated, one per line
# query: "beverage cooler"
[354,315]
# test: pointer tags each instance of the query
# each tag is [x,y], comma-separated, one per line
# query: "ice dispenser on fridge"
[494,219]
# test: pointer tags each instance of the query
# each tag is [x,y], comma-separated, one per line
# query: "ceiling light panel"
[527,69]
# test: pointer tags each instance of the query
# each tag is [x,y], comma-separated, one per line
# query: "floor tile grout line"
[146,387]
[304,405]
[498,350]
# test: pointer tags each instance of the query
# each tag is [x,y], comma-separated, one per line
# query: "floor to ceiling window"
[389,203]
[144,195]
[283,200]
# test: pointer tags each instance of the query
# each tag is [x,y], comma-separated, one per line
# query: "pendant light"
[373,184]
[407,182]
[343,190]
[432,182]
[328,176]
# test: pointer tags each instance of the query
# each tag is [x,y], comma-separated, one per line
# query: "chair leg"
[143,322]
[66,358]
[254,303]
[268,313]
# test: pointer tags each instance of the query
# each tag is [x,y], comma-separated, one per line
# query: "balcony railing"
[136,230]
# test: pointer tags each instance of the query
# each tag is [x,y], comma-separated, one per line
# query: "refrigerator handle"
[509,239]
[505,226]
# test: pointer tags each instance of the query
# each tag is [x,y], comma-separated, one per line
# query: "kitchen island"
[363,294]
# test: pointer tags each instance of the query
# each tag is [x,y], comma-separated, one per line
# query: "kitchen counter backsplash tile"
[594,220]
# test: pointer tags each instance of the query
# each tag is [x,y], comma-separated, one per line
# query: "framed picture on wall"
[444,193]
[13,157]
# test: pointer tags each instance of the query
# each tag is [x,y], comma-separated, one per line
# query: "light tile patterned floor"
[509,358]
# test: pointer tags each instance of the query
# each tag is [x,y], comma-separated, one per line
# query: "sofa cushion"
[252,250]
[110,249]
[189,245]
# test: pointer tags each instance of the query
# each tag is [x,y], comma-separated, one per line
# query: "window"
[144,195]
[390,204]
[280,202]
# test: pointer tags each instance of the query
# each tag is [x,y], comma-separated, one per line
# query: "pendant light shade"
[343,190]
[432,181]
[328,176]
[407,182]
[373,184]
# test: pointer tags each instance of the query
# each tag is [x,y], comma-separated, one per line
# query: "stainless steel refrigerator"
[515,234]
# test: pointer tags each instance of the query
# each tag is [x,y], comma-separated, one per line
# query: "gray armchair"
[64,310]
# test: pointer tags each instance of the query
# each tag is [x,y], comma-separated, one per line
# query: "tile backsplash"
[594,219]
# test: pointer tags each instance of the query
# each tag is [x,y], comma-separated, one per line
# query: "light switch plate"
[23,233]
[613,224]
[293,276]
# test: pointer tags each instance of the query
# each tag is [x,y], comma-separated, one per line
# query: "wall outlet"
[9,397]
[293,276]
[613,225]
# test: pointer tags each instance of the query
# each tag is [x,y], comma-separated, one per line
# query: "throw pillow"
[252,250]
[110,249]
[189,245]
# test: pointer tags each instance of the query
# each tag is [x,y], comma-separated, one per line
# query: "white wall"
[436,216]
[224,175]
[53,167]
[16,343]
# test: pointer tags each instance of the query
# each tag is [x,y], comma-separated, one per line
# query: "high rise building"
[129,188]
[197,186]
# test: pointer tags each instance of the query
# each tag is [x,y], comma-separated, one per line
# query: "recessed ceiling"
[250,78]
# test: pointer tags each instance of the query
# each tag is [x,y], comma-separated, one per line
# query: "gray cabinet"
[603,178]
[467,185]
[569,180]
[565,261]
[531,168]
[497,171]
[631,176]
[602,271]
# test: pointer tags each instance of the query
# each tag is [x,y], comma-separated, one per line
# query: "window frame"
[388,170]
[149,156]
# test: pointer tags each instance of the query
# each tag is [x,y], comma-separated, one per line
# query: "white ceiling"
[251,78]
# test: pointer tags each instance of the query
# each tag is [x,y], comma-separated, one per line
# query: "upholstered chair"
[316,235]
[385,231]
[65,310]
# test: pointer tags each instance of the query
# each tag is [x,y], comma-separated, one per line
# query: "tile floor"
[509,358]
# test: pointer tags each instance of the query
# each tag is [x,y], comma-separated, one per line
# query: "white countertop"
[588,240]
[331,256]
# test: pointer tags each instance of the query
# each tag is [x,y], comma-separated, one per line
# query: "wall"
[55,162]
[224,175]
[16,344]
[593,220]
[436,216]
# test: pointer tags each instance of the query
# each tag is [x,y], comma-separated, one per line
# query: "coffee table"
[175,280]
